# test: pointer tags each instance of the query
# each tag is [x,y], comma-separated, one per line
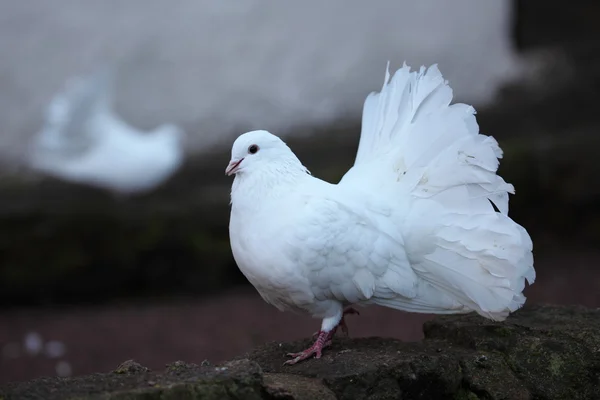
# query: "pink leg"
[323,340]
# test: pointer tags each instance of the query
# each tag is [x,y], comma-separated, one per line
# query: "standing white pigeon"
[84,141]
[410,226]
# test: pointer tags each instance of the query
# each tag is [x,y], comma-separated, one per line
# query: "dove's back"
[427,158]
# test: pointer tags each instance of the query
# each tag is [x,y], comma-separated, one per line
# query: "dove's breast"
[257,249]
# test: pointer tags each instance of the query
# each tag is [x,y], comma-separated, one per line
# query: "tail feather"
[431,153]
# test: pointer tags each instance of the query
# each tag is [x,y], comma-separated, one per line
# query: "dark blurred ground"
[132,260]
[221,327]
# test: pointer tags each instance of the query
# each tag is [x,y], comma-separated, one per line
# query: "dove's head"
[261,150]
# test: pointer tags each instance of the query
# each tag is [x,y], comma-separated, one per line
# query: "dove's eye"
[253,149]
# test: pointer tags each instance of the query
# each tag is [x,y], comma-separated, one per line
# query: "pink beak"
[232,168]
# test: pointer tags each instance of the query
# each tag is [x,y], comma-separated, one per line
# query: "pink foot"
[323,340]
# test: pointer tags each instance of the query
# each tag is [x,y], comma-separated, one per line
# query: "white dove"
[84,141]
[410,226]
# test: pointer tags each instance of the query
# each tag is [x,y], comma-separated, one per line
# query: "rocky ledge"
[540,352]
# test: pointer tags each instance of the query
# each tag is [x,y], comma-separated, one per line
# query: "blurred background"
[93,273]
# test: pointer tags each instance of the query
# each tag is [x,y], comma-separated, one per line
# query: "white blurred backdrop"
[220,68]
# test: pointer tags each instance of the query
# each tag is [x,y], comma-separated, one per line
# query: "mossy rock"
[540,352]
[553,351]
[235,380]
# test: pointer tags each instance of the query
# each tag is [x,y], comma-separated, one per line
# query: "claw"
[322,340]
[303,355]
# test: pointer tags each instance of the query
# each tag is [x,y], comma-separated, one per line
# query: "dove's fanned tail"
[428,157]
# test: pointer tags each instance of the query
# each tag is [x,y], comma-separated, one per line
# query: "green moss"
[535,343]
[555,364]
[465,394]
[178,367]
[502,331]
[120,371]
[130,367]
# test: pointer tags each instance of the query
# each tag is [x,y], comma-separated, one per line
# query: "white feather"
[445,177]
[410,226]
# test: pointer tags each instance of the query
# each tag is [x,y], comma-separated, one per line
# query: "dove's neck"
[250,190]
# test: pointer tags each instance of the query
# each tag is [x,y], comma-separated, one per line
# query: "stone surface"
[233,380]
[552,351]
[540,352]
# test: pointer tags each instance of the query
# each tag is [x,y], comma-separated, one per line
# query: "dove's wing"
[354,254]
[425,156]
